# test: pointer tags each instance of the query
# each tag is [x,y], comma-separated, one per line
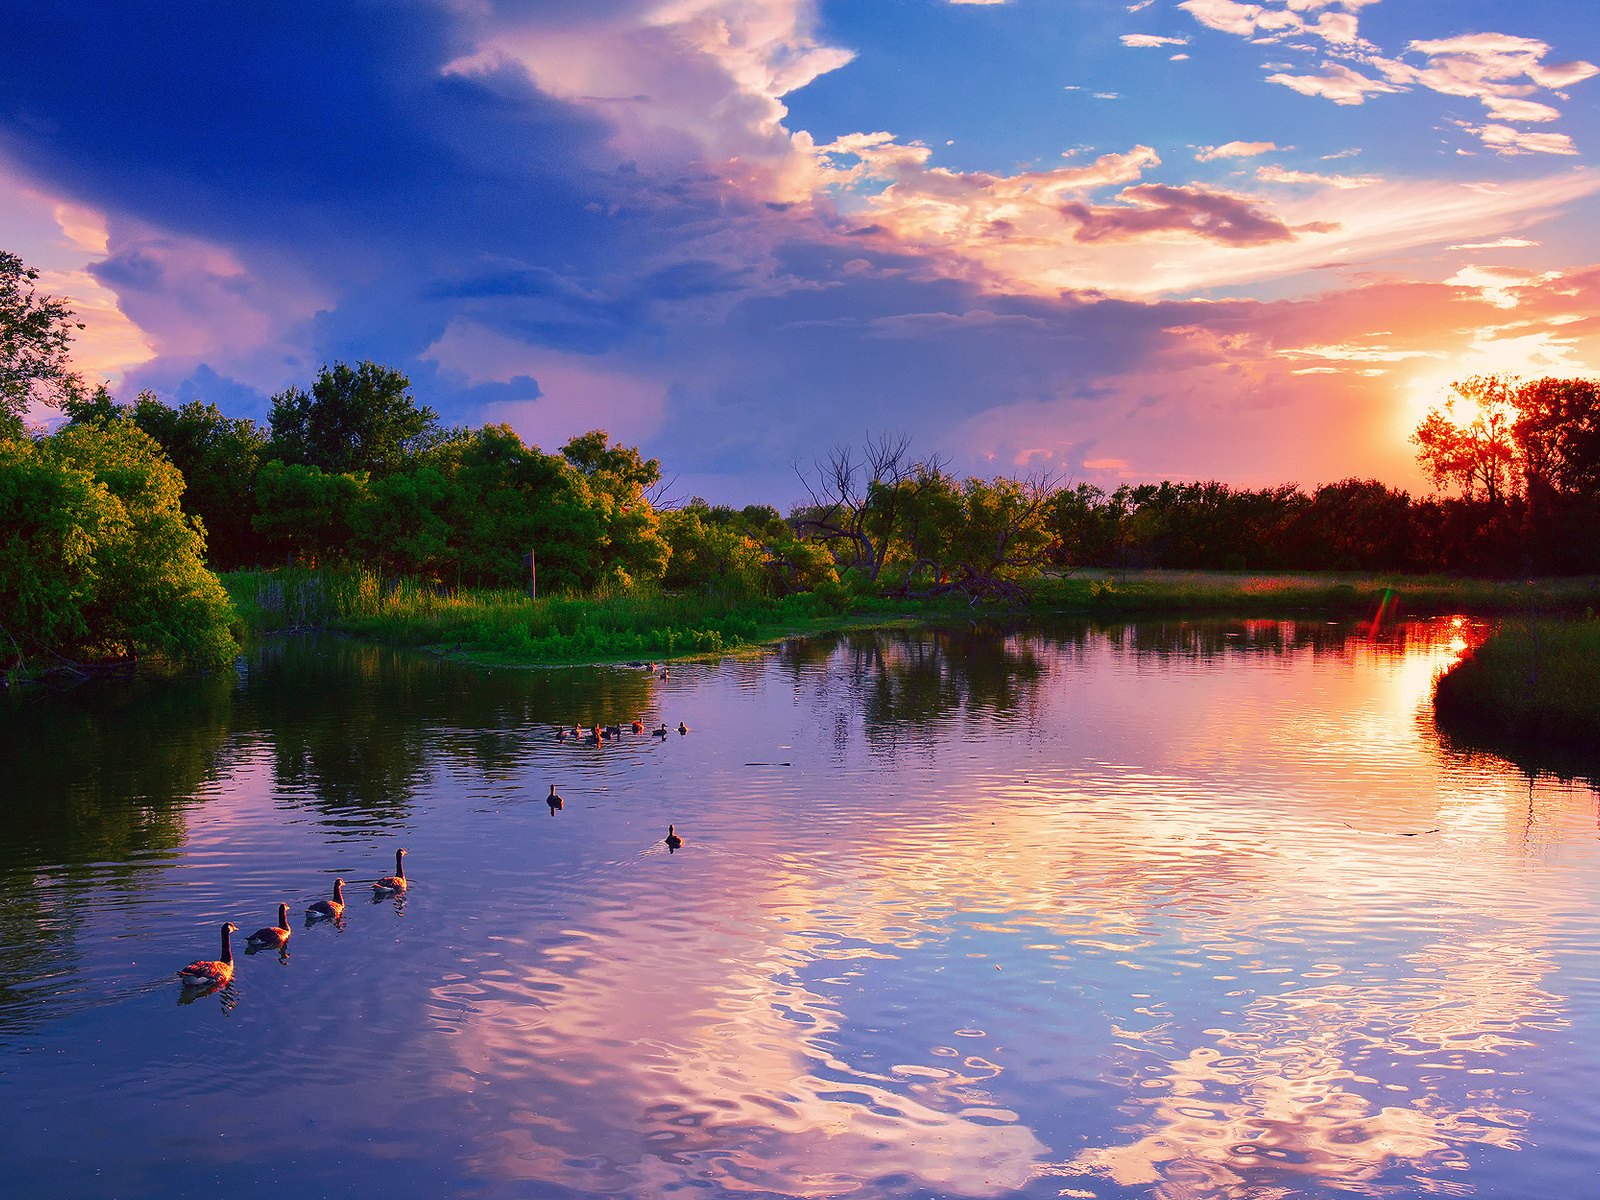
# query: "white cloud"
[1178,58]
[1506,140]
[1488,67]
[1342,182]
[1265,24]
[1234,150]
[1149,39]
[1337,83]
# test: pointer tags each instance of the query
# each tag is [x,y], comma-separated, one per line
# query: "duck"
[318,910]
[273,936]
[672,839]
[202,973]
[682,728]
[395,882]
[553,800]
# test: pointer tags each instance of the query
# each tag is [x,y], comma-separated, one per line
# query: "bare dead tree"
[855,497]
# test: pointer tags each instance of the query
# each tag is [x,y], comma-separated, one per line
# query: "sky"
[1105,242]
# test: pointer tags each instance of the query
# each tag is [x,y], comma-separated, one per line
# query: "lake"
[1176,909]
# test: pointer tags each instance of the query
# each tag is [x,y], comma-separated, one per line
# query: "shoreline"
[446,627]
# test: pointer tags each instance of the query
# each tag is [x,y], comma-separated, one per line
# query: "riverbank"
[1534,680]
[502,627]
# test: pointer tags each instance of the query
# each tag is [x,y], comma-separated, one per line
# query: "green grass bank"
[1536,680]
[504,627]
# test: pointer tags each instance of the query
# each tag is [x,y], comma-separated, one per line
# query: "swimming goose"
[682,728]
[275,936]
[553,800]
[672,839]
[201,973]
[395,882]
[638,726]
[662,732]
[318,910]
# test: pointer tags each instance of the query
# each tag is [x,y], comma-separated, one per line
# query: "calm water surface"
[1146,910]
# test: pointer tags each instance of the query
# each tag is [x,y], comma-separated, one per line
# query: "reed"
[501,625]
[1533,679]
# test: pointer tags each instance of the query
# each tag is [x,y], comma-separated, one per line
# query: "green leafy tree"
[354,419]
[35,336]
[308,512]
[98,555]
[217,455]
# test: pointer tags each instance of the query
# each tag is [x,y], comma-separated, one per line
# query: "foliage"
[98,556]
[217,455]
[1476,454]
[35,335]
[1531,679]
[354,419]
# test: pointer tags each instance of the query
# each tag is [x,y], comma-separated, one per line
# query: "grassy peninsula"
[1534,680]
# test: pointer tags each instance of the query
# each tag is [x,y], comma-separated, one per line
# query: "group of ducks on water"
[604,733]
[204,973]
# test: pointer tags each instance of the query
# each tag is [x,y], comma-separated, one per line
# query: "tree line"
[111,526]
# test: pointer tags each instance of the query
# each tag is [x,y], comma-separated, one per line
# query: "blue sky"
[1114,242]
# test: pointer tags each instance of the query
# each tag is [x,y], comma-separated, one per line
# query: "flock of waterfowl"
[213,973]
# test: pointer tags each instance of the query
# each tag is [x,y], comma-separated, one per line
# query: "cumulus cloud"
[1147,39]
[1489,67]
[1269,23]
[1505,140]
[1234,150]
[1337,82]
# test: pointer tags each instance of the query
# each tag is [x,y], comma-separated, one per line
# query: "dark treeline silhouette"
[1525,457]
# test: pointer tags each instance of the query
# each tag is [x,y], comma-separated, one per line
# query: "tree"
[1476,453]
[217,455]
[35,334]
[1557,431]
[354,419]
[99,556]
[854,501]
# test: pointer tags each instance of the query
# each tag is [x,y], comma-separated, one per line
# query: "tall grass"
[1532,679]
[639,622]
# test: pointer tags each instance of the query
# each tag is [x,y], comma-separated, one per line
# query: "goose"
[561,734]
[662,732]
[614,730]
[672,839]
[663,674]
[320,909]
[274,936]
[638,726]
[682,728]
[553,800]
[395,882]
[201,973]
